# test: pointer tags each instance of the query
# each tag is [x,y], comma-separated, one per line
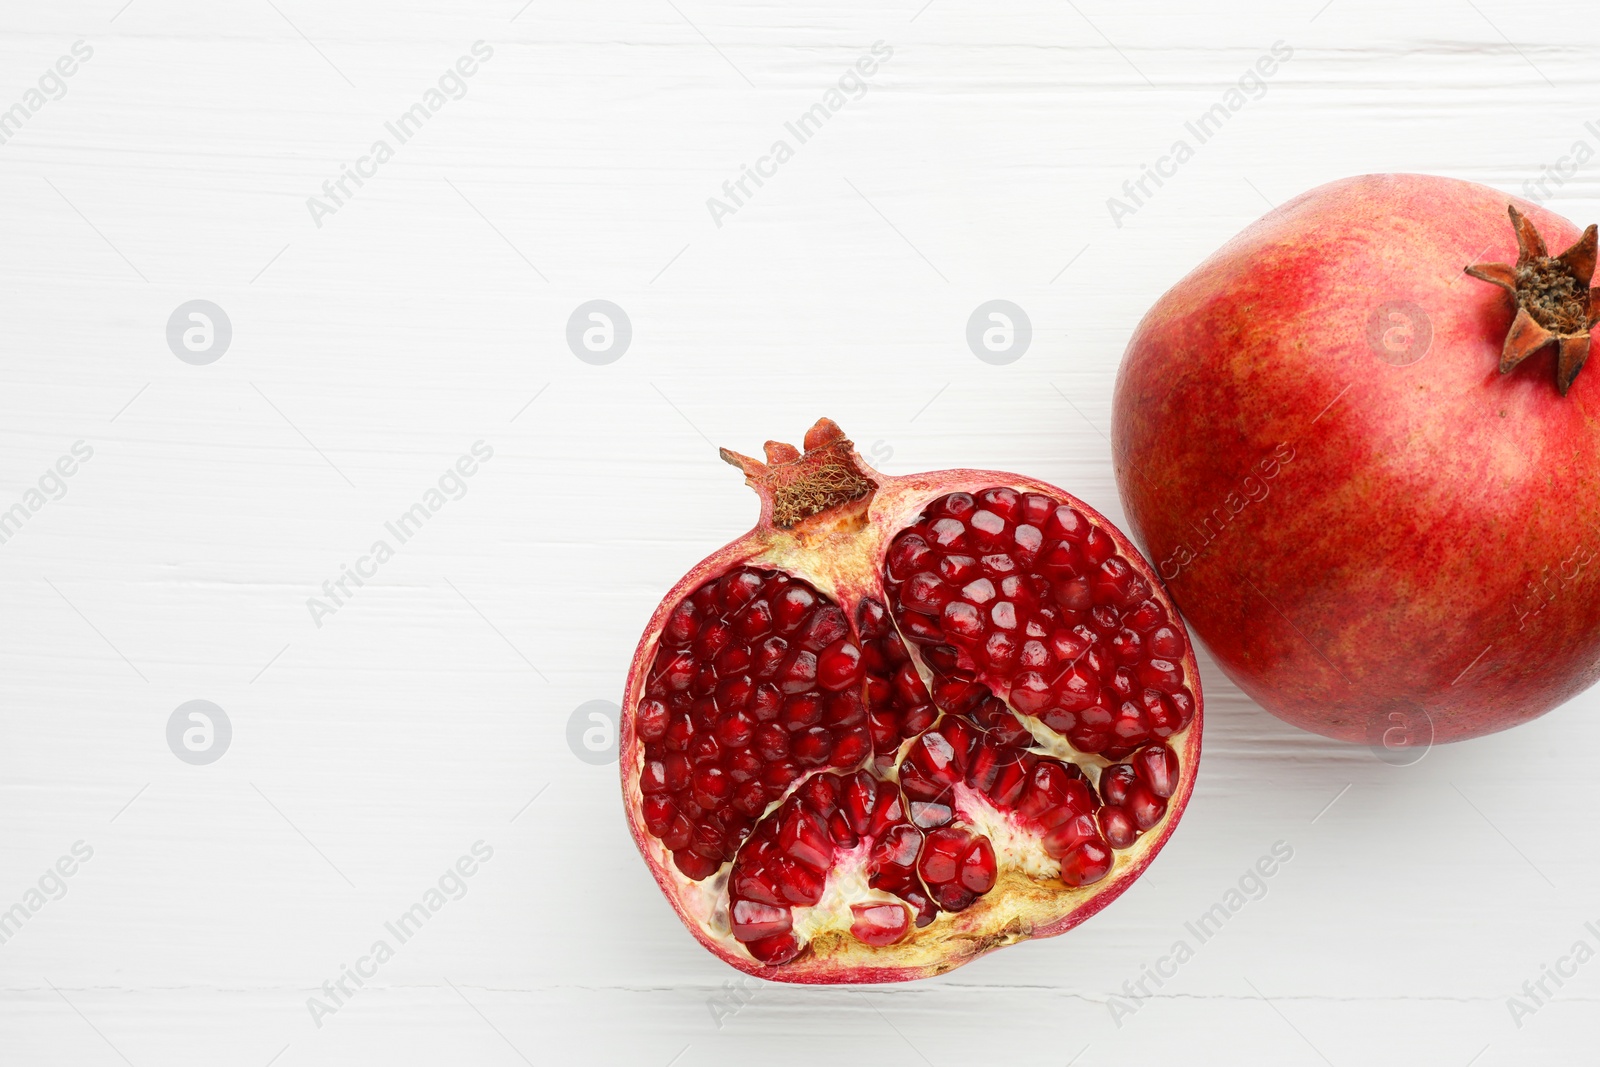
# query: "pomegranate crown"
[796,486]
[1555,304]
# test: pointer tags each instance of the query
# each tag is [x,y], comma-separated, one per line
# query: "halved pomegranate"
[905,721]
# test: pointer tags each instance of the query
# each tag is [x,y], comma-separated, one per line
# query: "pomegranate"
[1366,476]
[905,720]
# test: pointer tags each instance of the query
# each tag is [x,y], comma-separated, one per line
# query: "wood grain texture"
[429,312]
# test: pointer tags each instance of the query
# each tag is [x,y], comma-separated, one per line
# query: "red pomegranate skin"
[1371,548]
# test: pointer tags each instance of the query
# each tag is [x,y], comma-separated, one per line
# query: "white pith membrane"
[1028,897]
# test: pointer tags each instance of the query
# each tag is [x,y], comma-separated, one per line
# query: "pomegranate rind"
[843,558]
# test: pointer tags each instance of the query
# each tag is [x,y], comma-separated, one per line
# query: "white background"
[429,312]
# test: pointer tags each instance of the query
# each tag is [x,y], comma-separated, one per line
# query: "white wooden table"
[377,338]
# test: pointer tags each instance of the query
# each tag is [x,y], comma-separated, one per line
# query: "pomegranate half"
[1367,476]
[905,721]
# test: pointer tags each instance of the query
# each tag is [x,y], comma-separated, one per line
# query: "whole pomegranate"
[1366,476]
[905,721]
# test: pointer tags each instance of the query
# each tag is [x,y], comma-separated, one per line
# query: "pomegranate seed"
[1002,501]
[845,709]
[999,565]
[926,593]
[1098,546]
[920,628]
[676,768]
[812,746]
[928,814]
[1161,674]
[857,800]
[839,666]
[1166,643]
[735,731]
[907,556]
[940,855]
[1157,767]
[750,798]
[1131,723]
[1162,715]
[792,605]
[737,589]
[823,627]
[988,529]
[1061,562]
[949,533]
[1030,693]
[958,505]
[958,570]
[1073,594]
[771,741]
[1118,583]
[680,627]
[820,793]
[654,778]
[1115,782]
[885,732]
[1086,864]
[1027,541]
[898,848]
[678,834]
[742,766]
[712,638]
[908,687]
[693,865]
[879,924]
[804,840]
[712,786]
[978,870]
[1061,840]
[979,592]
[778,775]
[769,656]
[799,672]
[703,750]
[1035,509]
[780,948]
[752,920]
[1000,650]
[754,620]
[765,702]
[1147,616]
[1118,827]
[918,719]
[872,619]
[962,619]
[1145,807]
[679,671]
[1060,720]
[1184,703]
[1066,522]
[852,748]
[658,811]
[651,720]
[803,710]
[731,661]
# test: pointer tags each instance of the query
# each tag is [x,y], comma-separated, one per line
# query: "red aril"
[1368,477]
[905,721]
